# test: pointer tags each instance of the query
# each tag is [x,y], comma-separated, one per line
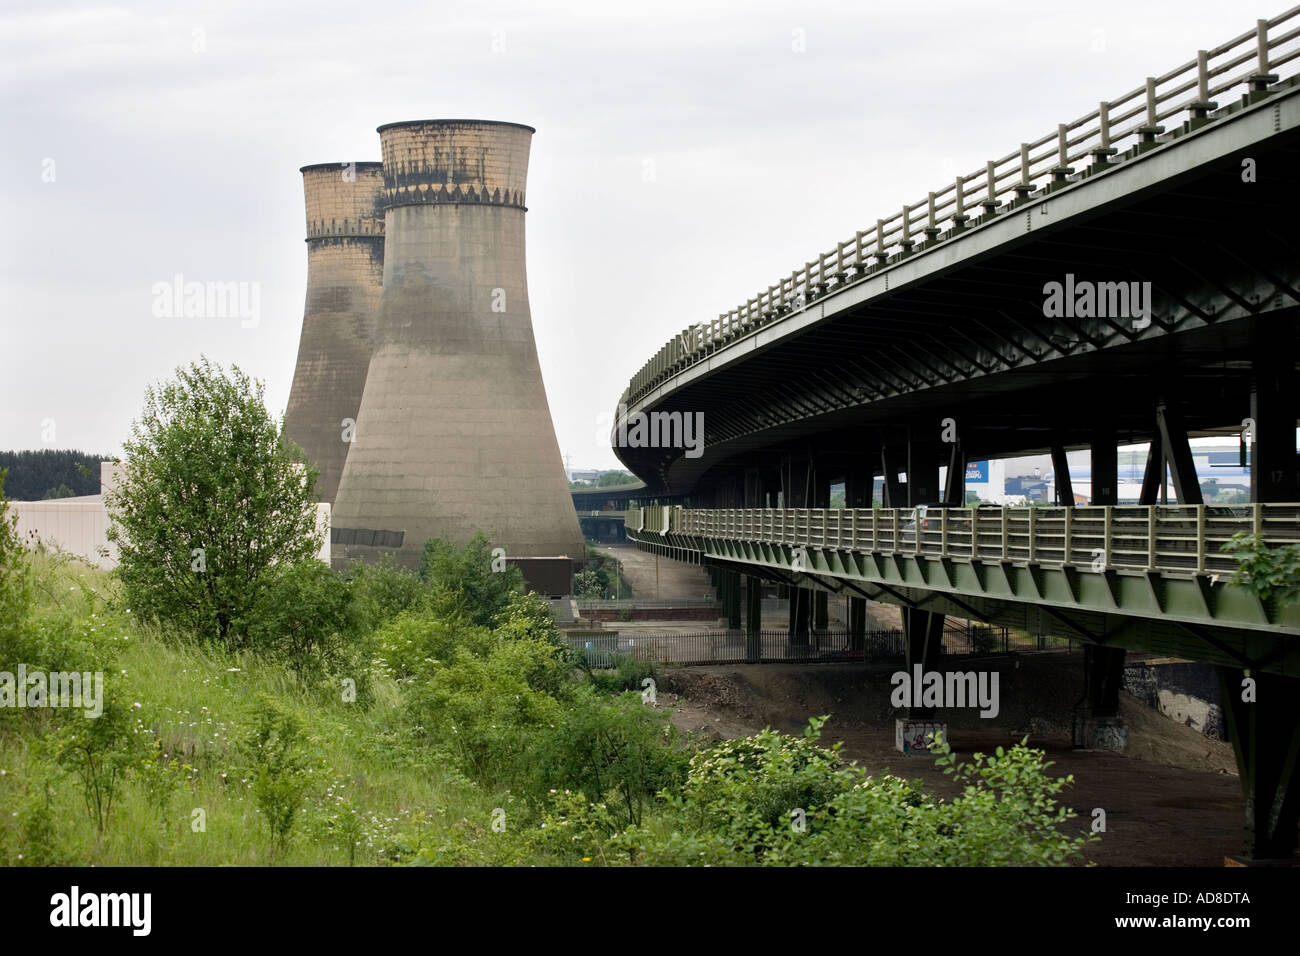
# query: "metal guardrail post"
[1067,550]
[1106,536]
[1151,537]
[1200,538]
[943,533]
[875,531]
[1005,536]
[1257,518]
[1033,532]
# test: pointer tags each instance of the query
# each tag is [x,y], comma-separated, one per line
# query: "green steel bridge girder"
[1195,616]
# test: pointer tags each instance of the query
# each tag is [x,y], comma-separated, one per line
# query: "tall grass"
[368,799]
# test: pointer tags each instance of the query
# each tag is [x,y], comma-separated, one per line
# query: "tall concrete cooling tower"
[345,274]
[454,433]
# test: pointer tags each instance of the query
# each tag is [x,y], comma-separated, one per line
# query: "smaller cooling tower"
[345,274]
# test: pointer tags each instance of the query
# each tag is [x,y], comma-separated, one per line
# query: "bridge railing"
[1175,538]
[1120,127]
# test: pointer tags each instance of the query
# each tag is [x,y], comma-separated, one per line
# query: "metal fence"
[1186,538]
[1117,130]
[603,649]
[636,603]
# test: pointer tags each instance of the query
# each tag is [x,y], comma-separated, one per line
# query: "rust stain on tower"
[345,272]
[454,433]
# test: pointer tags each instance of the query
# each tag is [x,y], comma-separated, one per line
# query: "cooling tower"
[345,272]
[454,433]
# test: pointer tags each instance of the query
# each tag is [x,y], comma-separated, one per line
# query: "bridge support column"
[1178,452]
[796,488]
[857,494]
[857,624]
[821,498]
[954,482]
[892,461]
[1097,724]
[1061,477]
[1274,402]
[1153,478]
[1265,735]
[1105,467]
[922,630]
[731,599]
[800,615]
[923,640]
[753,618]
[1265,727]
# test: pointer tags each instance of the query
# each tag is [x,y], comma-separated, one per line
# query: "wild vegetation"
[380,716]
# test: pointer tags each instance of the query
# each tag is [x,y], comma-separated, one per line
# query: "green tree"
[62,491]
[586,584]
[607,479]
[212,498]
[472,582]
[33,473]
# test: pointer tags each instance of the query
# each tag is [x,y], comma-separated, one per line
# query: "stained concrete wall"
[1185,691]
[345,271]
[454,433]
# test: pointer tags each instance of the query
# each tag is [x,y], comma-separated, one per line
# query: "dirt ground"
[674,579]
[1173,799]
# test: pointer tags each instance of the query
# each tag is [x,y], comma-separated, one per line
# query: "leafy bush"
[416,640]
[469,582]
[490,713]
[302,606]
[306,618]
[1272,573]
[586,584]
[212,498]
[739,796]
[381,591]
[781,801]
[279,771]
[618,751]
[529,616]
[628,673]
[101,752]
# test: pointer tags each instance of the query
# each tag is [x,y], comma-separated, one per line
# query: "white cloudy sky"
[170,160]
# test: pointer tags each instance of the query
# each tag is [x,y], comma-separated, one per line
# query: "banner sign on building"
[977,470]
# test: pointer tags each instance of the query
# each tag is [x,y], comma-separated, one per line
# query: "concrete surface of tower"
[454,433]
[345,272]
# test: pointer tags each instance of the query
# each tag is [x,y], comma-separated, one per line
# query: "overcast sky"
[687,155]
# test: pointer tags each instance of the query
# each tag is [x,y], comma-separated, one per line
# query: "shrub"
[306,618]
[628,673]
[617,751]
[779,801]
[469,582]
[1272,573]
[212,499]
[489,713]
[279,771]
[100,751]
[380,592]
[417,640]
